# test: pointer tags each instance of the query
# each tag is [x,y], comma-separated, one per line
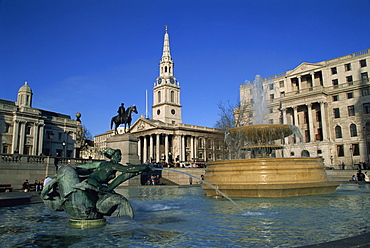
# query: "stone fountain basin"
[268,177]
[263,133]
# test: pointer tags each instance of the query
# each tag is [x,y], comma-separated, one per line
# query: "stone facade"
[164,138]
[330,103]
[32,131]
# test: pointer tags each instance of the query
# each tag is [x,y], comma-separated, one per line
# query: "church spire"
[166,56]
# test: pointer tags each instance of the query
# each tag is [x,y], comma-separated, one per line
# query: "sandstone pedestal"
[268,177]
[128,144]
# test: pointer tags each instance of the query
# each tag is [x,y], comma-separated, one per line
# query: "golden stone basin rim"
[261,133]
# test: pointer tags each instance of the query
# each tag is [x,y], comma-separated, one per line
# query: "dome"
[25,88]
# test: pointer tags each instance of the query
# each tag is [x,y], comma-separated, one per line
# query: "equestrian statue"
[86,193]
[123,117]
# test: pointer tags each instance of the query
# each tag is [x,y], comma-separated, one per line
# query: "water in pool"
[185,217]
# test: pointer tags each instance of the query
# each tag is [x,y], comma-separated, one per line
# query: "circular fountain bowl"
[261,133]
[268,177]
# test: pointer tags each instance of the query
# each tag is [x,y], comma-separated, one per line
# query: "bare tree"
[231,116]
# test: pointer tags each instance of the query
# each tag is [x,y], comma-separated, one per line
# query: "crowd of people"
[36,186]
[360,177]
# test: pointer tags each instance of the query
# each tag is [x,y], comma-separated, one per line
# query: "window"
[172,96]
[335,98]
[334,70]
[7,128]
[281,83]
[271,121]
[363,63]
[28,130]
[349,80]
[271,86]
[159,96]
[336,113]
[272,97]
[347,67]
[364,77]
[271,110]
[335,83]
[355,149]
[366,107]
[349,95]
[365,92]
[340,150]
[318,116]
[351,110]
[353,130]
[338,132]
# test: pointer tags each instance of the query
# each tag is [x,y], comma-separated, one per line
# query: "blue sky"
[88,56]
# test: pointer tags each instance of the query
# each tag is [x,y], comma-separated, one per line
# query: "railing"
[29,159]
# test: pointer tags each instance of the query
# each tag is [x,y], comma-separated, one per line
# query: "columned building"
[164,138]
[330,103]
[31,131]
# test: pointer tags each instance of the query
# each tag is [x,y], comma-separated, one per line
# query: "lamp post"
[64,148]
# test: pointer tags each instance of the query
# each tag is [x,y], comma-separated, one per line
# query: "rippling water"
[185,217]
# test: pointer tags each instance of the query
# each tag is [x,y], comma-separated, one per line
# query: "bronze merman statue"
[85,193]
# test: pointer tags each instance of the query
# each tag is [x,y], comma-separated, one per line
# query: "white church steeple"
[166,99]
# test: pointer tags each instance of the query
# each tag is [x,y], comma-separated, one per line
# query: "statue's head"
[113,154]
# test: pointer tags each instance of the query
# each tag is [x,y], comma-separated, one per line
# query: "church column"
[157,146]
[22,137]
[196,144]
[192,148]
[15,135]
[139,149]
[310,122]
[323,121]
[151,146]
[145,149]
[183,148]
[166,147]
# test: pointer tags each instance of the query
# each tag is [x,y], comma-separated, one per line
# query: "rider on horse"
[121,113]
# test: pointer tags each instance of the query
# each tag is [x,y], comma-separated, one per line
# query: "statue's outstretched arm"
[134,168]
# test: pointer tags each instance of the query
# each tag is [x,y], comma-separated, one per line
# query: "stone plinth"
[127,143]
[268,177]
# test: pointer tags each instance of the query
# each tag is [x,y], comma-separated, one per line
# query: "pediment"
[142,125]
[309,67]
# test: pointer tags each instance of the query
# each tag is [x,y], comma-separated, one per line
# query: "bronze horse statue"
[125,119]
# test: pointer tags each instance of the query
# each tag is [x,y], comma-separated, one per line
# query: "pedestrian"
[366,177]
[360,176]
[190,180]
[343,165]
[26,186]
[56,161]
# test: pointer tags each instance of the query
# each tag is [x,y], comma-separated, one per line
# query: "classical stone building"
[30,131]
[330,103]
[164,138]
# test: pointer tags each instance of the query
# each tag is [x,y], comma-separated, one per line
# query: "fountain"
[263,175]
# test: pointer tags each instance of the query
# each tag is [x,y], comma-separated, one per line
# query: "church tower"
[166,99]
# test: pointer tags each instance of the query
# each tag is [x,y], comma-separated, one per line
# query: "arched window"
[172,96]
[353,130]
[305,154]
[159,96]
[338,132]
[165,69]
